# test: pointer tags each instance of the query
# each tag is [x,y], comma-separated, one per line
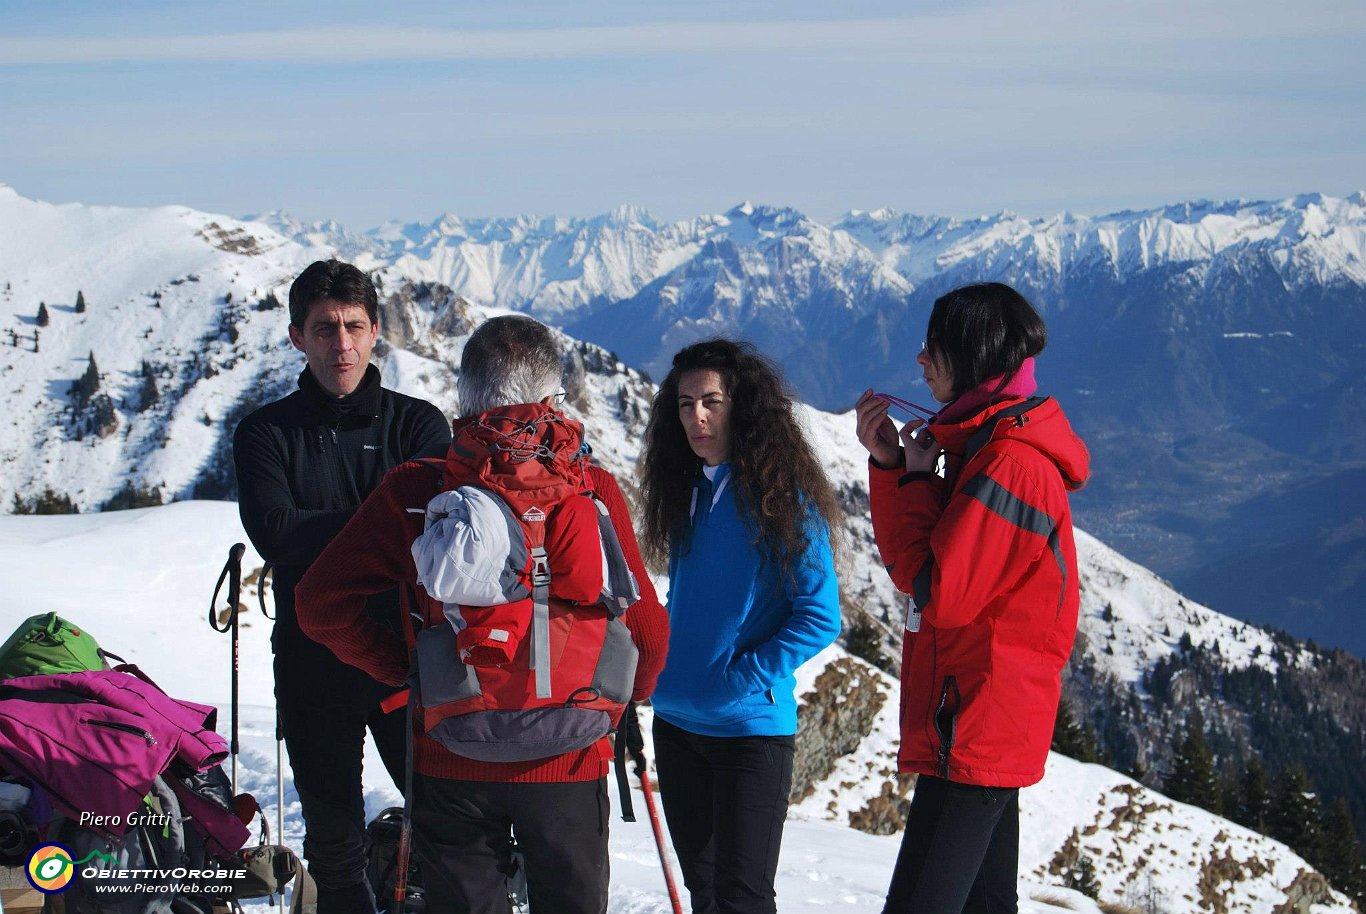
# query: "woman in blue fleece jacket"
[736,499]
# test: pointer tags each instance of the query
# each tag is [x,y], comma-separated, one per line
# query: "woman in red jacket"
[987,556]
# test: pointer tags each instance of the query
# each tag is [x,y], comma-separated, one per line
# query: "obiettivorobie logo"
[51,868]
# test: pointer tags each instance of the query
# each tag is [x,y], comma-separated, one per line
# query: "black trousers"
[960,851]
[325,708]
[725,799]
[461,833]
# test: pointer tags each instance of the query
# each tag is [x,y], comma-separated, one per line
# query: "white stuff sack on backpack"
[471,550]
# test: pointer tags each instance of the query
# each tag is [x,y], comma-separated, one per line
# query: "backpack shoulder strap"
[621,584]
[983,435]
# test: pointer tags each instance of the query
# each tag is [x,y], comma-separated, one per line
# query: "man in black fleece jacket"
[304,465]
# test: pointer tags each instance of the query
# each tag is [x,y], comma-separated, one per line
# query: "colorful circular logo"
[50,868]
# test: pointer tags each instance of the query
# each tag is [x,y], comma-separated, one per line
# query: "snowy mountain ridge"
[1312,237]
[555,265]
[559,268]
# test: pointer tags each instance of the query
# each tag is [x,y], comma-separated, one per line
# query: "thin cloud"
[361,44]
[947,33]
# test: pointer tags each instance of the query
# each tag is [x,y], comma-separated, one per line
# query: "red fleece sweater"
[371,555]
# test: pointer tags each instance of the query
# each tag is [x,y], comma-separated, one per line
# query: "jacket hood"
[1043,427]
[524,451]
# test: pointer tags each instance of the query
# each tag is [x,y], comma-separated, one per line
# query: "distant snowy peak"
[1310,238]
[328,236]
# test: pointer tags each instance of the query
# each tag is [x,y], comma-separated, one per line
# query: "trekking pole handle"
[235,574]
[233,567]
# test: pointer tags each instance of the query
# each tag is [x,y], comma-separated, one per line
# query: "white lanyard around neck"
[715,496]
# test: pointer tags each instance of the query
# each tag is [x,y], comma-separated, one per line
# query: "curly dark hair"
[777,477]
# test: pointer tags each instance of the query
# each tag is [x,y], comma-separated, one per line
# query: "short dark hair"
[331,280]
[983,330]
[508,360]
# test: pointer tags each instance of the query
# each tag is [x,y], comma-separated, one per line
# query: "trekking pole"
[232,571]
[266,569]
[646,787]
[405,833]
[635,746]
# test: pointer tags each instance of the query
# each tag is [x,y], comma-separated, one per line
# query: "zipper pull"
[125,728]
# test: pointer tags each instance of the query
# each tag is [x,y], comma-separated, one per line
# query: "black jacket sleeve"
[282,533]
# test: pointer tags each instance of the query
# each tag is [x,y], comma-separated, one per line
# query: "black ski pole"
[232,572]
[398,902]
[266,570]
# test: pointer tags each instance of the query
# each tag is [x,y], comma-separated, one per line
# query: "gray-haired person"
[465,810]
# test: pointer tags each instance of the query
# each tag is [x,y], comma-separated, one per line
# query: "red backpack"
[529,658]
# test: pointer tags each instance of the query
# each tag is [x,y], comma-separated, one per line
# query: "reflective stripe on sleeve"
[1008,506]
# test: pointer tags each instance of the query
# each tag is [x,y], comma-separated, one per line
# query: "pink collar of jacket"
[1020,385]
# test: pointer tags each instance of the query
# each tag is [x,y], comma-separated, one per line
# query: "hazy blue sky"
[364,114]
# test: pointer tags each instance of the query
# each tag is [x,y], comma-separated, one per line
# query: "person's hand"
[922,451]
[877,431]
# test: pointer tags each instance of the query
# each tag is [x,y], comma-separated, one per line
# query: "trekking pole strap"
[628,811]
[266,571]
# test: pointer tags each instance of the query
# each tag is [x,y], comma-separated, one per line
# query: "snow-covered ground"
[140,582]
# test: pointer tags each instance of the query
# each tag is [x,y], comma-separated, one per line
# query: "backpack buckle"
[540,568]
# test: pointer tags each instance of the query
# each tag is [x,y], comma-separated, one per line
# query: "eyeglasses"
[560,396]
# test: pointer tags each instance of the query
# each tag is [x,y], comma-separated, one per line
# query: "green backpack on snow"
[47,643]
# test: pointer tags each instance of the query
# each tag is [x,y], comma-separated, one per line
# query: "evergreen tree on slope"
[1192,779]
[1293,814]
